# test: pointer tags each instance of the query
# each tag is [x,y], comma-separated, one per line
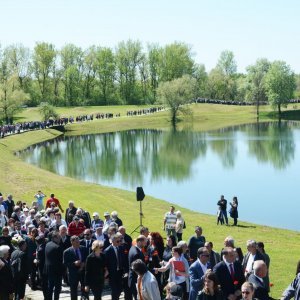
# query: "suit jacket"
[134,254]
[83,243]
[6,278]
[258,256]
[94,270]
[69,257]
[150,290]
[67,243]
[260,291]
[293,290]
[196,279]
[227,284]
[23,276]
[53,266]
[70,211]
[111,261]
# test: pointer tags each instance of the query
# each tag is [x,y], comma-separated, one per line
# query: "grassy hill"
[23,180]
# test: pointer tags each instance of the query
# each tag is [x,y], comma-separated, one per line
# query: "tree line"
[127,74]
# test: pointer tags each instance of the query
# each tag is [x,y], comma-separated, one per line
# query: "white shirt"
[249,264]
[203,267]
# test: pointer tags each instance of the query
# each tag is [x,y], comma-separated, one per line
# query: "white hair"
[4,249]
[114,214]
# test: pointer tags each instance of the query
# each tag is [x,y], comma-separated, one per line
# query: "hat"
[76,218]
[98,226]
[106,214]
[95,214]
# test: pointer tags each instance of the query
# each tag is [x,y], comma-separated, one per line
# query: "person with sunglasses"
[114,262]
[197,271]
[211,289]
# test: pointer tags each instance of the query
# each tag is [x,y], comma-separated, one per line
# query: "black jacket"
[53,260]
[94,270]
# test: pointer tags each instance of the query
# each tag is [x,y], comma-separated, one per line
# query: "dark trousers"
[4,295]
[19,286]
[53,283]
[115,284]
[73,281]
[179,236]
[234,221]
[97,291]
[126,289]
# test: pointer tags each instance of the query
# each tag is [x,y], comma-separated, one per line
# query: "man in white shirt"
[170,222]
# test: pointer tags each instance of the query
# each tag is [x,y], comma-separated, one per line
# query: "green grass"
[23,180]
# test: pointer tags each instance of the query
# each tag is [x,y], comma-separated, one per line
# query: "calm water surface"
[257,163]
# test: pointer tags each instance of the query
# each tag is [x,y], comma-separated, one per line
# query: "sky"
[252,29]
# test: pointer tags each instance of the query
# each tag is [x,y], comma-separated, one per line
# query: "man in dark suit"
[230,274]
[114,265]
[70,212]
[214,257]
[20,270]
[6,278]
[53,268]
[65,243]
[87,241]
[252,255]
[74,259]
[135,253]
[260,271]
[197,271]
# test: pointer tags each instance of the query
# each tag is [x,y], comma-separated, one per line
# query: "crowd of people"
[45,246]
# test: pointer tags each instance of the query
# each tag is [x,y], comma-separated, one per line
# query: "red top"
[76,230]
[50,200]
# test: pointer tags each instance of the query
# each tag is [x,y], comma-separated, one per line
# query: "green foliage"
[47,111]
[280,84]
[176,93]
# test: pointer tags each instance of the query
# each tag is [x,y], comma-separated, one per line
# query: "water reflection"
[132,155]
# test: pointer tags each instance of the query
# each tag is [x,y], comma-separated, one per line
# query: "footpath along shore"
[65,294]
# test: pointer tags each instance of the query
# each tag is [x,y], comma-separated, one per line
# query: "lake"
[258,163]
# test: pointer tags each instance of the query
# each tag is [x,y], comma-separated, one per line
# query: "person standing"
[180,225]
[53,267]
[147,286]
[6,278]
[74,259]
[214,257]
[19,266]
[55,200]
[10,204]
[170,221]
[135,253]
[230,274]
[234,210]
[114,266]
[40,197]
[197,241]
[222,203]
[94,270]
[197,271]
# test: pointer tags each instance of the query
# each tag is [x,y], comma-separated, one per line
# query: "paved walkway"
[65,294]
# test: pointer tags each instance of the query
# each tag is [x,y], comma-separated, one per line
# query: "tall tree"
[11,95]
[176,93]
[256,78]
[176,61]
[128,59]
[72,73]
[105,71]
[227,68]
[154,61]
[43,60]
[280,84]
[201,77]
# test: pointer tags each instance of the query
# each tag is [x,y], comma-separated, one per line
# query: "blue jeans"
[224,212]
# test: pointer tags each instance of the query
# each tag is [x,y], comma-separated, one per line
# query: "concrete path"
[65,294]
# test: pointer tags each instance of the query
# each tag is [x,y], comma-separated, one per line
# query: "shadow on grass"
[285,115]
[245,226]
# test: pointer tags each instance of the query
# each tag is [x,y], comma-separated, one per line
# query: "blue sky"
[252,29]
